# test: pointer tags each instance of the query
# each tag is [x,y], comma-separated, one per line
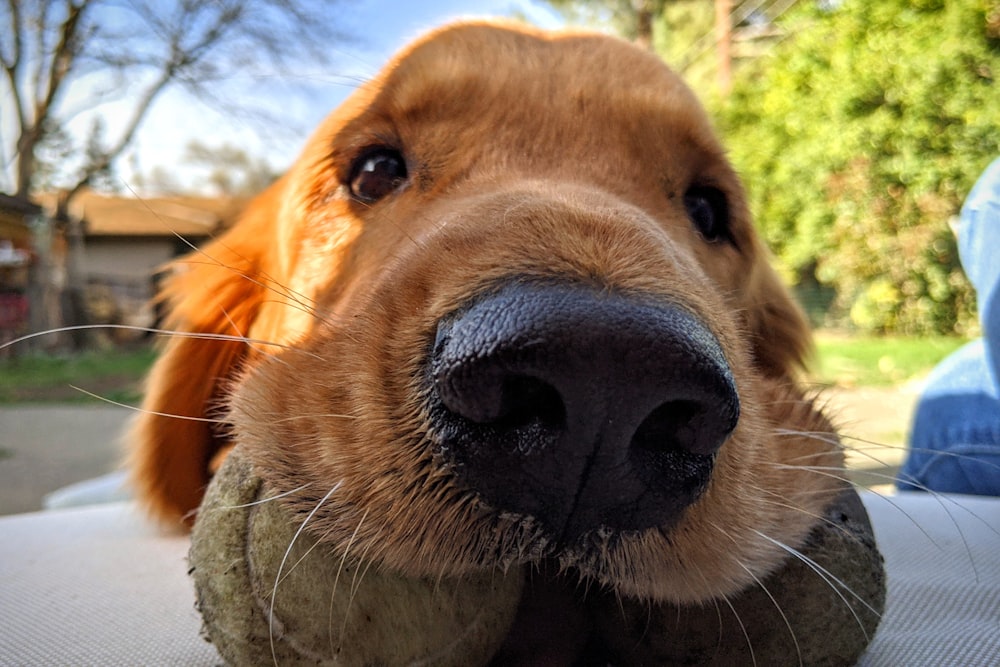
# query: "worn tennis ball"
[820,608]
[322,608]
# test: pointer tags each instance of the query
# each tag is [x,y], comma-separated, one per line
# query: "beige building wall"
[133,259]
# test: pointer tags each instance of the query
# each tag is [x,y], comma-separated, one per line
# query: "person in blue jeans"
[955,436]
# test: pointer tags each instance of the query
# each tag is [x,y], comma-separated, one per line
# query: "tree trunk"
[26,144]
[74,293]
[643,23]
[74,310]
[723,44]
[44,312]
[57,281]
[644,28]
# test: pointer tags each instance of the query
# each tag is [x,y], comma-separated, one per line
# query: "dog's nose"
[584,409]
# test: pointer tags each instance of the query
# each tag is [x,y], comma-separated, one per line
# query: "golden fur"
[529,155]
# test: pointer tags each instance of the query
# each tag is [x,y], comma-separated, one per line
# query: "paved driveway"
[43,448]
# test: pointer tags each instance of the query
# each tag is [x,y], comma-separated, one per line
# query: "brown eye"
[709,212]
[377,173]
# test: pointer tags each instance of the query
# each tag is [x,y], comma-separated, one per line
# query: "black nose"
[580,408]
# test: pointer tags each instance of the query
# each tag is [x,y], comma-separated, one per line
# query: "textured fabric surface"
[942,556]
[98,586]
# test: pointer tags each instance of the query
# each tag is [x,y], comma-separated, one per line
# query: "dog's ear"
[217,290]
[782,341]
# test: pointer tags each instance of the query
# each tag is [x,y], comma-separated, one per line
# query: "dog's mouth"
[554,625]
[592,414]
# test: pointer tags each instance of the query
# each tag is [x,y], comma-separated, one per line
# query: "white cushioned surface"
[942,556]
[96,586]
[99,586]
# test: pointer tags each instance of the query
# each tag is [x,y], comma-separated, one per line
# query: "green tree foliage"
[684,36]
[631,19]
[859,136]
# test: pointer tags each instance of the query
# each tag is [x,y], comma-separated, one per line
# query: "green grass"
[113,374]
[855,361]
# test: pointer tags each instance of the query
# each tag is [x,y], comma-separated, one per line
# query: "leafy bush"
[859,136]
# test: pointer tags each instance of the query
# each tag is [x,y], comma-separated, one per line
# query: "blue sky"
[377,28]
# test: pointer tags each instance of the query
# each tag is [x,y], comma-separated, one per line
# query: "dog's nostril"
[526,400]
[670,427]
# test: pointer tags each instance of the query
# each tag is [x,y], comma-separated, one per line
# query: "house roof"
[15,205]
[14,214]
[108,215]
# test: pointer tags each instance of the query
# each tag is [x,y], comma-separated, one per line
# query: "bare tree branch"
[61,60]
[102,160]
[188,43]
[12,62]
[49,73]
[38,59]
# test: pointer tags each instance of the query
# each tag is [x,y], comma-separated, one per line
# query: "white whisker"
[268,499]
[818,517]
[746,635]
[297,562]
[336,583]
[317,415]
[166,332]
[140,410]
[820,436]
[281,566]
[828,577]
[359,574]
[297,298]
[942,498]
[825,471]
[725,533]
[791,632]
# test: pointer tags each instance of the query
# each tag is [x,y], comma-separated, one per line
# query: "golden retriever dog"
[507,307]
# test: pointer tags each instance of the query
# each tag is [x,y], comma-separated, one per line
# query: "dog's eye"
[377,173]
[709,211]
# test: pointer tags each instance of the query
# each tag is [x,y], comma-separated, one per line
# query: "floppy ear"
[782,340]
[216,290]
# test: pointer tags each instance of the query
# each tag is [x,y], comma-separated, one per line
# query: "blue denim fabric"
[955,437]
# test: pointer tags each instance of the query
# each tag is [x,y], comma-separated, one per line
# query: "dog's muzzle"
[583,409]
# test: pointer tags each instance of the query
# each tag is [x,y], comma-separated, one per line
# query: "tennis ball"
[270,594]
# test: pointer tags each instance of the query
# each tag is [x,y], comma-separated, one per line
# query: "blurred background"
[131,131]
